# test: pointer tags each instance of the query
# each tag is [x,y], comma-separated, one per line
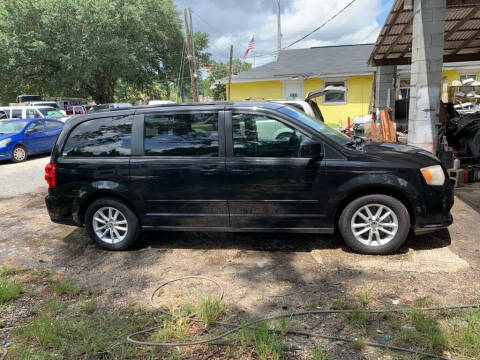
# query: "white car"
[32,112]
[310,107]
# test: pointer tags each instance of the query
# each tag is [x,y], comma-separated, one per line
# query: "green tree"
[88,48]
[218,72]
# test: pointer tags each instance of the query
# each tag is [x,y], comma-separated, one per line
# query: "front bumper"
[434,213]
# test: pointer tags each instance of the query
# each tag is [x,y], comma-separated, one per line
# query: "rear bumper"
[60,210]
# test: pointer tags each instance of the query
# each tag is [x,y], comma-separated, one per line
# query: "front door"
[293,89]
[35,139]
[179,170]
[271,184]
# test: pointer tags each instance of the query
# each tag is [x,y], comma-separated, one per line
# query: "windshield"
[11,127]
[51,113]
[331,133]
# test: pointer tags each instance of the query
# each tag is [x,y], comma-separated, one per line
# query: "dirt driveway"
[262,273]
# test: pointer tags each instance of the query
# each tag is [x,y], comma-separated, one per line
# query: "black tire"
[16,154]
[133,228]
[402,215]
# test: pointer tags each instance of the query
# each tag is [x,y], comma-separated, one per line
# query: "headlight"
[4,142]
[433,175]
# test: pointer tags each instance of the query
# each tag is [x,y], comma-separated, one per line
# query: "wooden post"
[349,132]
[373,130]
[230,72]
[193,80]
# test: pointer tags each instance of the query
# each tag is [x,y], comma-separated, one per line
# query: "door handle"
[243,172]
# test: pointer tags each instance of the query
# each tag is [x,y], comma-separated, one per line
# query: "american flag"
[251,46]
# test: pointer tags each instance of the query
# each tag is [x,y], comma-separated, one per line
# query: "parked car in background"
[223,167]
[107,107]
[32,112]
[27,98]
[21,138]
[4,115]
[308,105]
[76,110]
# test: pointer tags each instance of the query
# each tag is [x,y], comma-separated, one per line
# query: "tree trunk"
[104,88]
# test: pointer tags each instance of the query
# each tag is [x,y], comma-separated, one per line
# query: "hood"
[387,150]
[6,136]
[326,90]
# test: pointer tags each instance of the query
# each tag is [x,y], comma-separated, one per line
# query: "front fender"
[372,182]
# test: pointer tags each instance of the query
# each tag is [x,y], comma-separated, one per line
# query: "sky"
[236,21]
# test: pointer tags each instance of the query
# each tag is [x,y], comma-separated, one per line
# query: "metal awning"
[462,34]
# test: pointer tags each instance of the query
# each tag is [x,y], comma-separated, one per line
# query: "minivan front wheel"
[111,224]
[374,224]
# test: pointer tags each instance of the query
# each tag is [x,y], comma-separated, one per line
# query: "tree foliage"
[219,71]
[99,49]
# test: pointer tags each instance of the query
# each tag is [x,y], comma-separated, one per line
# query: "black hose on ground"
[236,327]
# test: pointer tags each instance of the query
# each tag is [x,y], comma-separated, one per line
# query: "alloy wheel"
[374,224]
[19,153]
[110,225]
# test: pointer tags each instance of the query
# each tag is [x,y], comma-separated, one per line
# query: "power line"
[311,32]
[321,26]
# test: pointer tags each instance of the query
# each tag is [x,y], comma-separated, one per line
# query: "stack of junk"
[459,138]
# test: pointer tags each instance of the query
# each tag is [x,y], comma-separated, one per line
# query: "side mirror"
[29,131]
[311,149]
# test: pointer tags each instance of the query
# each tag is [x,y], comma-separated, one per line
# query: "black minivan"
[239,166]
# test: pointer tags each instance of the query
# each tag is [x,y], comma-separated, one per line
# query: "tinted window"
[3,114]
[31,114]
[53,125]
[17,114]
[261,136]
[36,126]
[182,135]
[101,137]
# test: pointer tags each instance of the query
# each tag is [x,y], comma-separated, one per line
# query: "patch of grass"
[365,296]
[56,306]
[7,271]
[425,301]
[66,288]
[173,330]
[210,310]
[343,304]
[358,344]
[10,289]
[81,336]
[358,319]
[427,332]
[464,335]
[318,353]
[266,344]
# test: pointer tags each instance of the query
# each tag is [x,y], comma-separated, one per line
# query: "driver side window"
[257,135]
[36,126]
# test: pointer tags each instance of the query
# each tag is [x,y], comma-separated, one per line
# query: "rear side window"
[52,124]
[16,114]
[101,137]
[181,134]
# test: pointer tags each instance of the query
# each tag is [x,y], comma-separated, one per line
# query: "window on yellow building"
[337,97]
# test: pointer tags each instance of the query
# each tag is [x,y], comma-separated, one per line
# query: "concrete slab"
[470,193]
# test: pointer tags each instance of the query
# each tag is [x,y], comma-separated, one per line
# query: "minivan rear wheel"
[111,224]
[374,224]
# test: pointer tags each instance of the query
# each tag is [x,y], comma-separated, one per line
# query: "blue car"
[23,137]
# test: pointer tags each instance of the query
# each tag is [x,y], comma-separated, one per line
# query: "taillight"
[50,175]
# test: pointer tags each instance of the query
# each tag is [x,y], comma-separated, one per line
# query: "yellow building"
[297,72]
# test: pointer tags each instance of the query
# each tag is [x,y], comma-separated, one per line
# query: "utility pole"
[279,29]
[230,72]
[190,58]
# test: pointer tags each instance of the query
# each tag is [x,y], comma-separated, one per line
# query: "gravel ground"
[22,178]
